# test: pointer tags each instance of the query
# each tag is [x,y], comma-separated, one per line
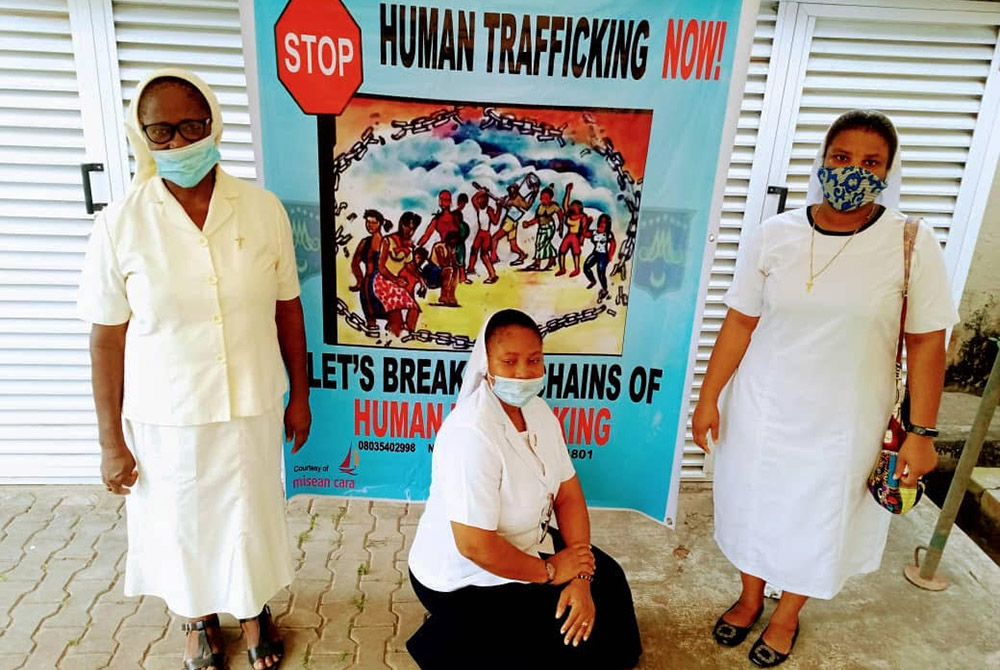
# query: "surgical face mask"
[848,188]
[186,166]
[517,392]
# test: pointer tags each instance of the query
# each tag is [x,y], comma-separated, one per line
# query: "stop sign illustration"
[318,47]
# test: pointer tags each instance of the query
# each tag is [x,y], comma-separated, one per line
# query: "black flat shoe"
[730,635]
[763,656]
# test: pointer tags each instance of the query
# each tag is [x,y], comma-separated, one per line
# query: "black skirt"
[514,625]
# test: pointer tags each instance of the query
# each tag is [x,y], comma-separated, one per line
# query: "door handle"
[782,193]
[88,192]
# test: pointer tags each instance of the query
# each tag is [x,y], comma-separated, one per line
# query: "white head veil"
[478,365]
[888,198]
[145,167]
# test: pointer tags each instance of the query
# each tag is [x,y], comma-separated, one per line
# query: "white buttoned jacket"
[202,344]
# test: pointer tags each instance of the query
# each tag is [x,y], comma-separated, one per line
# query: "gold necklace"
[812,248]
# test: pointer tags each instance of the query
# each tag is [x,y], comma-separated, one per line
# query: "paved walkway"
[62,606]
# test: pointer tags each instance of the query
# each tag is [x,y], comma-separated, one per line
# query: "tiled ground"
[62,606]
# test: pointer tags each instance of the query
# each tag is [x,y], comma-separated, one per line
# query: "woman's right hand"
[706,418]
[118,469]
[572,561]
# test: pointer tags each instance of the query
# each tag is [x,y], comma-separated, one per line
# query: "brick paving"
[62,562]
[62,555]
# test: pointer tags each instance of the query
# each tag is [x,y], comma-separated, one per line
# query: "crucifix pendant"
[809,286]
[239,243]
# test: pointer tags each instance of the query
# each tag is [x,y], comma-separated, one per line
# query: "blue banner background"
[634,470]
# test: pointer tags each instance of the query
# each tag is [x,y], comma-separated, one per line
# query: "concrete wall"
[970,351]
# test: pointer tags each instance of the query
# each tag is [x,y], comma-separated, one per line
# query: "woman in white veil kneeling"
[506,588]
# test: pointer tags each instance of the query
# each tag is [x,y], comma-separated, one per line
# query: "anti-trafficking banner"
[440,161]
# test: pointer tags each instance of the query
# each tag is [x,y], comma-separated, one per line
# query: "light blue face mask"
[186,166]
[850,187]
[517,392]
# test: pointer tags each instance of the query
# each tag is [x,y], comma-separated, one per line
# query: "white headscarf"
[478,365]
[887,198]
[145,167]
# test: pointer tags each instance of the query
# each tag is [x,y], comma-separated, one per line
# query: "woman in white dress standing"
[809,342]
[191,285]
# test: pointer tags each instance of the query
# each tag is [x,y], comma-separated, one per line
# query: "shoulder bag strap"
[909,239]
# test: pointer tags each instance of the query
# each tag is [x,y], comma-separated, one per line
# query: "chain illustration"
[425,124]
[440,338]
[357,151]
[356,321]
[340,240]
[571,319]
[543,132]
[622,297]
[631,196]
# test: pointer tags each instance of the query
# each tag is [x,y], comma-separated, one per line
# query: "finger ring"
[584,624]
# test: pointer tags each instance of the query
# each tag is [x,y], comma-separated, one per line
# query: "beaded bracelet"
[585,577]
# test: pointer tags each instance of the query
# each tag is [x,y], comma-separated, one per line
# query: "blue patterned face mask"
[847,188]
[517,392]
[186,166]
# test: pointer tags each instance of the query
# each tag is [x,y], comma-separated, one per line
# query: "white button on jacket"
[147,265]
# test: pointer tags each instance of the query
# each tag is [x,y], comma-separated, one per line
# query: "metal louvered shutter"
[695,465]
[46,414]
[928,76]
[199,35]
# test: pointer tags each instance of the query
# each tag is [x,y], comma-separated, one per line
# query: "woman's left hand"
[580,623]
[298,419]
[919,455]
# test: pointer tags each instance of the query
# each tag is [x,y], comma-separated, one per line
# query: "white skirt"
[206,517]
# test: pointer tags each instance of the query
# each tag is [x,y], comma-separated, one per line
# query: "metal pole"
[924,575]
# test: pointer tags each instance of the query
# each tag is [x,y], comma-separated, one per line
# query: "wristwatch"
[550,570]
[920,430]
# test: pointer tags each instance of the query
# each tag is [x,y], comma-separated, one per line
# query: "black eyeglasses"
[190,129]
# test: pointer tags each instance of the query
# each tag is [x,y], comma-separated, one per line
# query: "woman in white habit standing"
[809,344]
[190,283]
[504,588]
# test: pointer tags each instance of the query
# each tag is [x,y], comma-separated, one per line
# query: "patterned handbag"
[882,481]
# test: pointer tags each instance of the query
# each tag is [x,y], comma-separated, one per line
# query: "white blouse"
[202,344]
[486,475]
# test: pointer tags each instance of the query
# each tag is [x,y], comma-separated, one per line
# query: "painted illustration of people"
[391,286]
[444,256]
[545,218]
[463,235]
[515,204]
[484,218]
[364,266]
[443,222]
[604,249]
[577,225]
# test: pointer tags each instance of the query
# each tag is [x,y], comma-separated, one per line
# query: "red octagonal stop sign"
[318,45]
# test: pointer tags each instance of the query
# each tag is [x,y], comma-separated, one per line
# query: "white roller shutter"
[737,191]
[933,71]
[202,36]
[46,420]
[928,76]
[61,62]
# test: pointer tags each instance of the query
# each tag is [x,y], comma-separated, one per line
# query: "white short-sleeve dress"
[204,380]
[803,417]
